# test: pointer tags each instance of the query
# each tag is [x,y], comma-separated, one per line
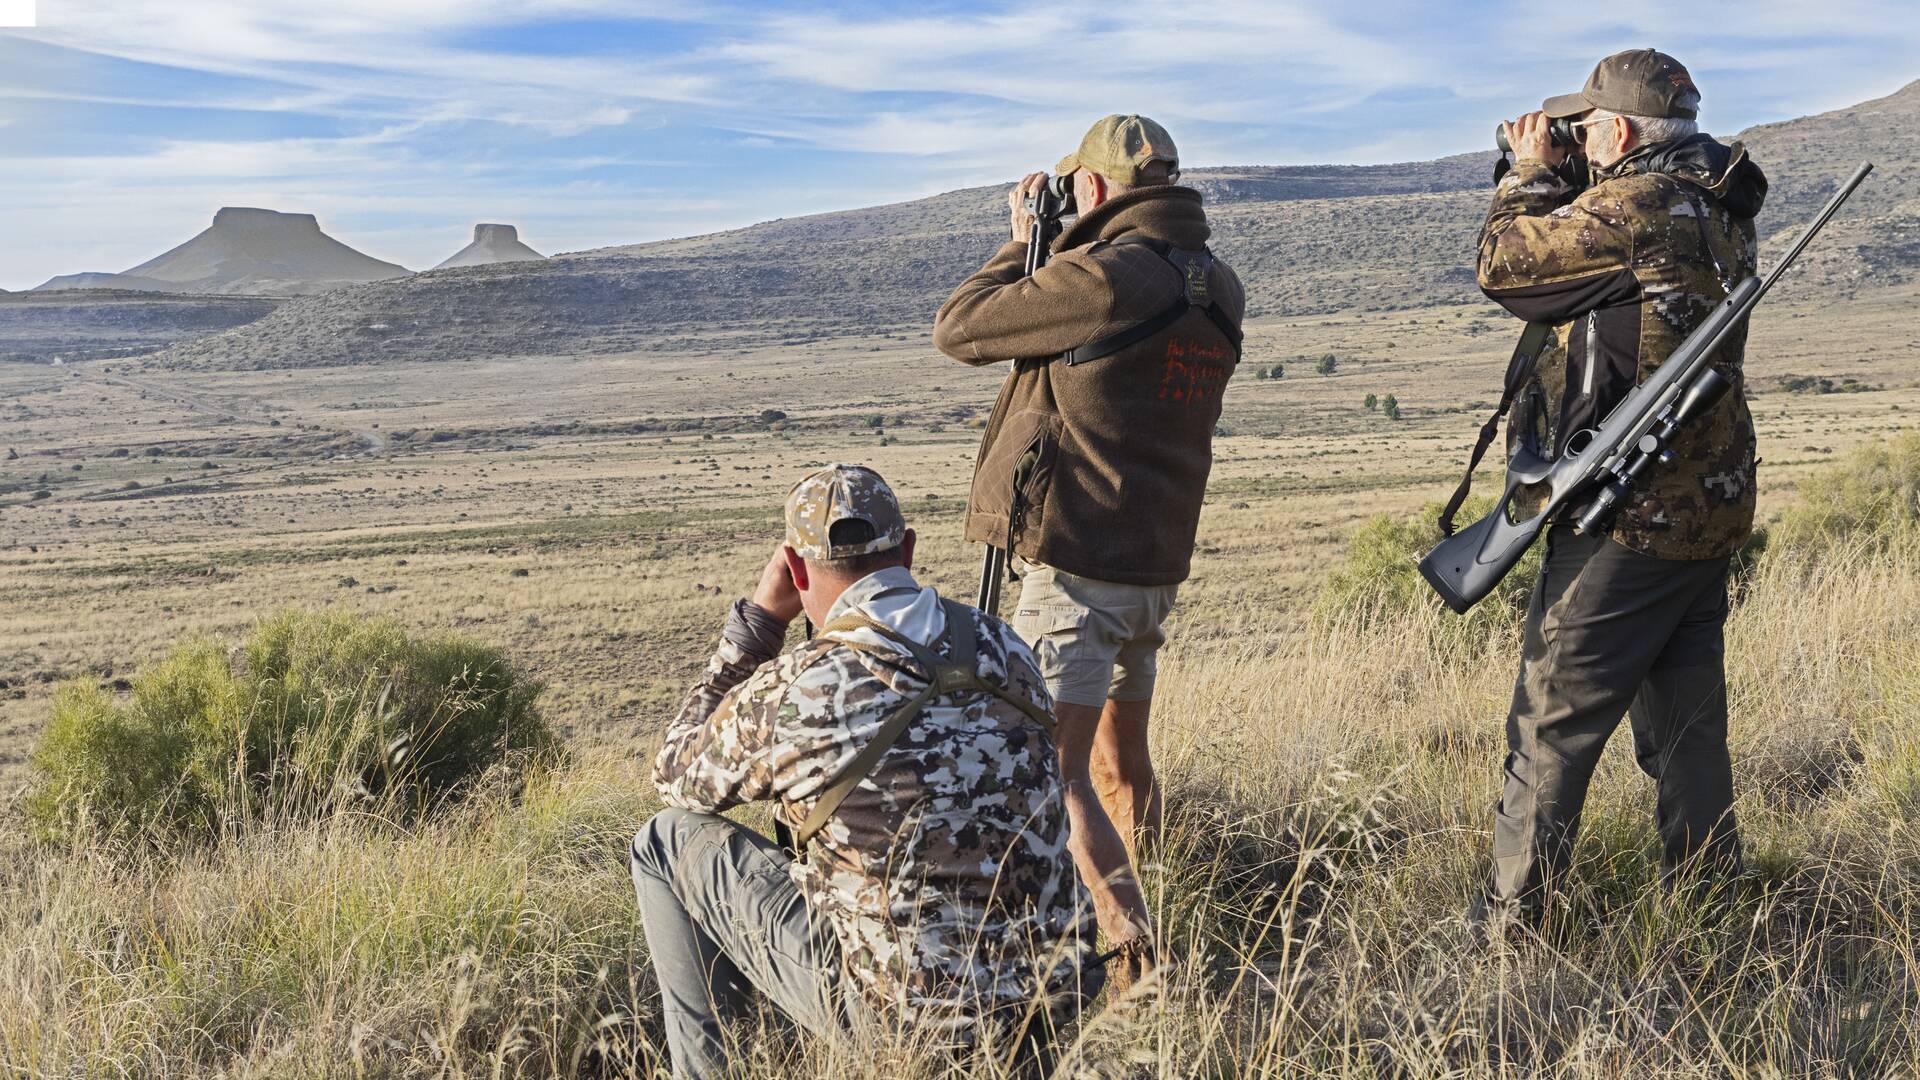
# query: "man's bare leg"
[1098,849]
[1122,772]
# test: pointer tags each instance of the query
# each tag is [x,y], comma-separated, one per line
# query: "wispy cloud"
[126,122]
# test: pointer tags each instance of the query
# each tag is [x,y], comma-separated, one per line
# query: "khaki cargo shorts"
[1095,639]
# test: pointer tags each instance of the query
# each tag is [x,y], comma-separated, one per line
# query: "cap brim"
[1067,164]
[1566,105]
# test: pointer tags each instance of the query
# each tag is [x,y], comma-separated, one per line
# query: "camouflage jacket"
[1625,270]
[945,875]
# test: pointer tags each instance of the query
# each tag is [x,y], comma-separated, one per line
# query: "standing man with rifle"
[1626,619]
[1094,463]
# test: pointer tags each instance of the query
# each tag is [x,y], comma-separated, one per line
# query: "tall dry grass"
[1329,797]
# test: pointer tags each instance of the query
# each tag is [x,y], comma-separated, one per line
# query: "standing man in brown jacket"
[1094,464]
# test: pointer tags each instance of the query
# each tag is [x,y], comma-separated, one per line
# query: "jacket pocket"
[1015,474]
[1603,367]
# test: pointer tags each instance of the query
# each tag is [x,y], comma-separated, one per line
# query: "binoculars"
[1054,199]
[1559,130]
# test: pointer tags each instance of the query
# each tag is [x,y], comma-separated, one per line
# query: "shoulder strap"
[945,676]
[1132,335]
[1526,354]
[1193,267]
[1706,241]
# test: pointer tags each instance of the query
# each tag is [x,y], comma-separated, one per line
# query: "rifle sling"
[1187,263]
[1526,354]
[960,674]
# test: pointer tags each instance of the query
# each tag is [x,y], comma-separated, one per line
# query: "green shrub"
[1379,578]
[1872,496]
[316,713]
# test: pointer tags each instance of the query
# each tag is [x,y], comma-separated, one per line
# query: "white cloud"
[1193,60]
[386,50]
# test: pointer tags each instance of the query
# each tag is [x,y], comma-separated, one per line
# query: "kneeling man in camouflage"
[907,750]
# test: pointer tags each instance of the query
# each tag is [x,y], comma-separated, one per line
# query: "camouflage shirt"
[1625,270]
[945,875]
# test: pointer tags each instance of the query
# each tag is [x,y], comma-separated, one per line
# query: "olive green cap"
[1119,147]
[1640,82]
[842,493]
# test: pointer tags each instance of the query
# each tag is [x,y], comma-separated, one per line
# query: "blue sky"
[125,123]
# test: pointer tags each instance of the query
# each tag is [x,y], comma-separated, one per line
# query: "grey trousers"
[724,921]
[1611,631]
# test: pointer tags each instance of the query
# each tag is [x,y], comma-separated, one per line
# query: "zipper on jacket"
[1593,350]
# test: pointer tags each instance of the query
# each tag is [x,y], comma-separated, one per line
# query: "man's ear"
[1622,134]
[906,550]
[796,568]
[1086,195]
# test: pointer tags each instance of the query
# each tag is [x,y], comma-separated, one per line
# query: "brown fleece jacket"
[1120,446]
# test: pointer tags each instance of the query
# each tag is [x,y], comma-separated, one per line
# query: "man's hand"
[1026,189]
[776,594]
[1531,138]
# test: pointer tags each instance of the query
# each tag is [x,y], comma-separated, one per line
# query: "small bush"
[1328,364]
[1870,496]
[317,713]
[1380,576]
[1390,408]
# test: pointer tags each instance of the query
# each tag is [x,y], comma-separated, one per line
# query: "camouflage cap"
[1639,82]
[1120,147]
[842,493]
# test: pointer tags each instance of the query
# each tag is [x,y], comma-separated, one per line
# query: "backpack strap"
[960,674]
[1526,355]
[1193,267]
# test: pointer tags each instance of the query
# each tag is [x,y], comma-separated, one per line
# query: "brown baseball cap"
[842,493]
[1641,82]
[1120,147]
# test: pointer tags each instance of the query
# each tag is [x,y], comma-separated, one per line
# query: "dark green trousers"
[1609,632]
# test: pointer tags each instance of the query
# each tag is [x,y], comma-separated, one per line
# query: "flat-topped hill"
[247,251]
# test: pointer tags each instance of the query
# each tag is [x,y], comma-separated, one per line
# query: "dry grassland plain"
[1331,787]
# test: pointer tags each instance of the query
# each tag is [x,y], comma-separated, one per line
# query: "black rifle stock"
[1605,466]
[1046,206]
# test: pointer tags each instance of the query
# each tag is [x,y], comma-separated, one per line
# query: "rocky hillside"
[43,326]
[1305,239]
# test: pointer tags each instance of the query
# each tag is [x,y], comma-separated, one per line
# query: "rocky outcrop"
[492,244]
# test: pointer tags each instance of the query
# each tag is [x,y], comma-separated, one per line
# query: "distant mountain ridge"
[247,251]
[74,324]
[1305,239]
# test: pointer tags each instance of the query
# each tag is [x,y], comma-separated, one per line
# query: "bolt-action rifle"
[1047,205]
[1601,467]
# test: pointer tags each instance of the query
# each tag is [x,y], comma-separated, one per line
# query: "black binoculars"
[1054,199]
[1559,130]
